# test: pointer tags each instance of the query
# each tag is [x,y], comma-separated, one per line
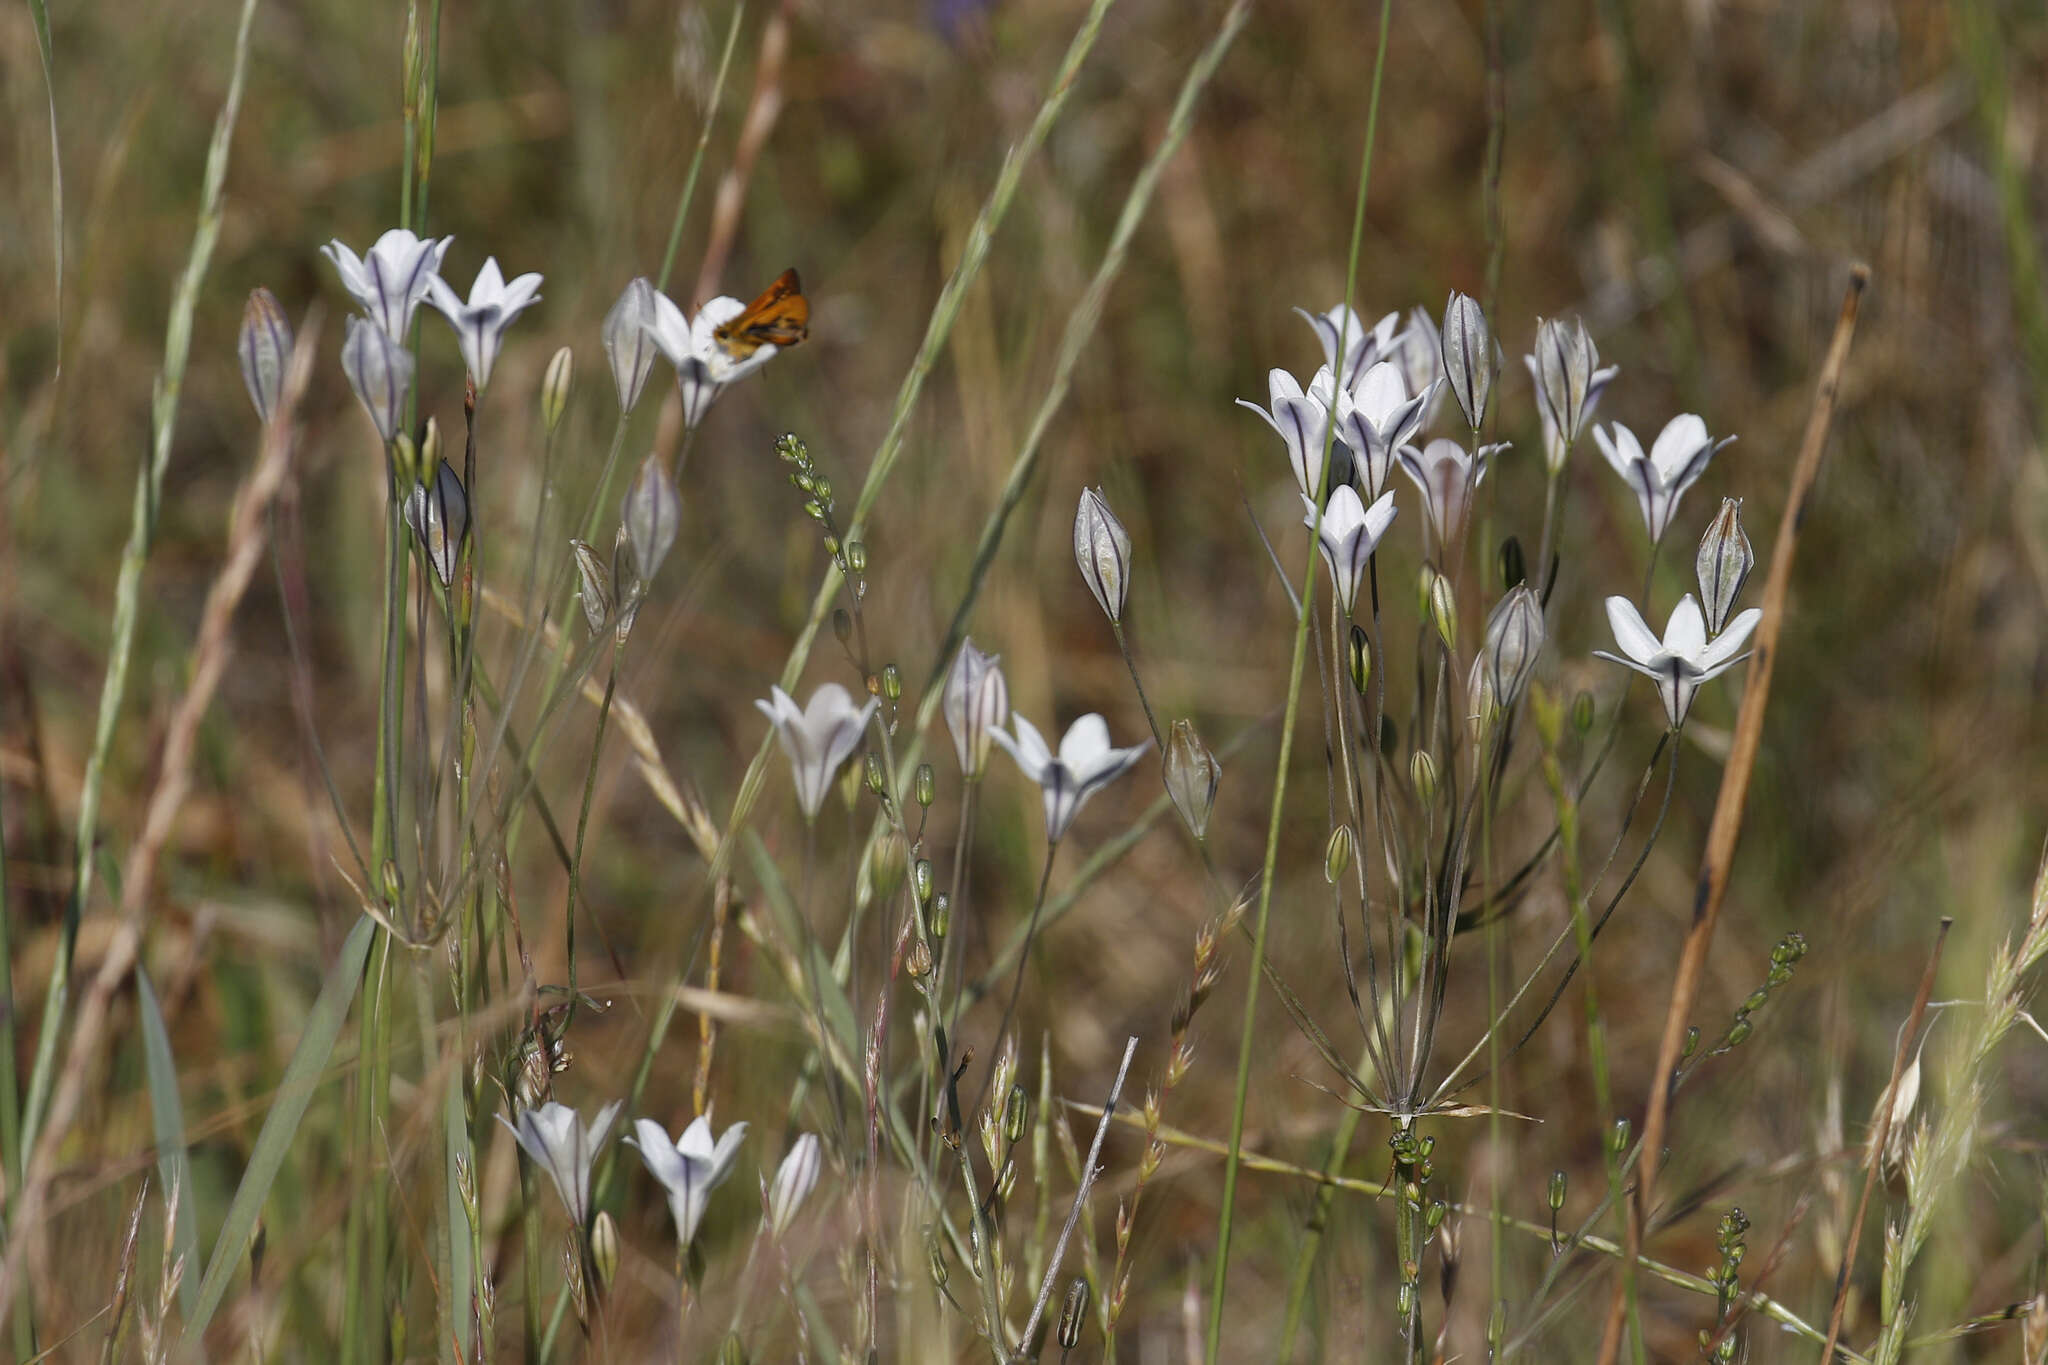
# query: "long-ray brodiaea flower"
[481,320]
[1446,473]
[817,738]
[1303,422]
[689,1169]
[1085,764]
[1684,658]
[561,1144]
[1377,418]
[1676,460]
[1363,346]
[1348,534]
[390,282]
[703,367]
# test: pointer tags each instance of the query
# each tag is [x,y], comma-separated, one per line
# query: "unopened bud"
[604,1248]
[871,772]
[555,388]
[941,917]
[1468,356]
[652,513]
[627,343]
[439,518]
[919,960]
[264,348]
[1192,776]
[1514,639]
[1016,1109]
[1724,562]
[892,683]
[1557,1187]
[924,878]
[594,585]
[1443,611]
[380,371]
[1073,1314]
[856,557]
[925,785]
[1102,550]
[1422,774]
[1360,659]
[1337,854]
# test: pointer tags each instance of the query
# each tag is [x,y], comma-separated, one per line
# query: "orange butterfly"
[780,317]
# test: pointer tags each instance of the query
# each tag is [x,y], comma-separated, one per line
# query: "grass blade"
[281,1126]
[167,1119]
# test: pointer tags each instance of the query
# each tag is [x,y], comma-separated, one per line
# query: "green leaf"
[302,1076]
[167,1116]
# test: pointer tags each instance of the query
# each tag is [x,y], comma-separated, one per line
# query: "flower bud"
[1482,703]
[871,773]
[941,916]
[856,557]
[555,388]
[924,880]
[1360,659]
[794,1181]
[1102,549]
[918,962]
[1422,774]
[1016,1109]
[1582,713]
[265,346]
[1514,639]
[1568,385]
[594,589]
[439,517]
[1724,562]
[627,343]
[1468,356]
[925,785]
[976,701]
[628,586]
[1443,611]
[604,1248]
[1192,776]
[892,683]
[1073,1314]
[651,513]
[380,372]
[1337,854]
[1556,1192]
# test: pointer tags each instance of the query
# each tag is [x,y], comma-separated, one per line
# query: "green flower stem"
[1301,617]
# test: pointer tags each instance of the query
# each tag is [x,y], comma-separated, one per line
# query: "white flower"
[1349,533]
[1377,418]
[562,1145]
[392,280]
[1684,658]
[1362,347]
[1660,478]
[977,701]
[1446,473]
[689,1169]
[481,322]
[380,372]
[1085,764]
[795,1178]
[818,738]
[1102,550]
[629,341]
[1568,386]
[703,367]
[1303,421]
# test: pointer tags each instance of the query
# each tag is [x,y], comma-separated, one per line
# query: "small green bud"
[941,916]
[1691,1044]
[555,388]
[1619,1140]
[1738,1032]
[1443,611]
[1422,775]
[919,961]
[892,683]
[604,1248]
[856,555]
[1557,1188]
[1016,1109]
[823,492]
[877,780]
[1582,713]
[1361,659]
[1337,854]
[405,458]
[925,784]
[924,877]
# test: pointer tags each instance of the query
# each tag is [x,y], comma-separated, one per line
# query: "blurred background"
[1693,179]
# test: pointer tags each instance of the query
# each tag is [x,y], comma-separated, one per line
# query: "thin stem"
[1214,1338]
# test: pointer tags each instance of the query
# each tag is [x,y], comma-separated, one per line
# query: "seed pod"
[1074,1314]
[1337,854]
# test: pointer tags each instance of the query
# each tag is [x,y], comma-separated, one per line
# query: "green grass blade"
[167,1118]
[39,13]
[281,1126]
